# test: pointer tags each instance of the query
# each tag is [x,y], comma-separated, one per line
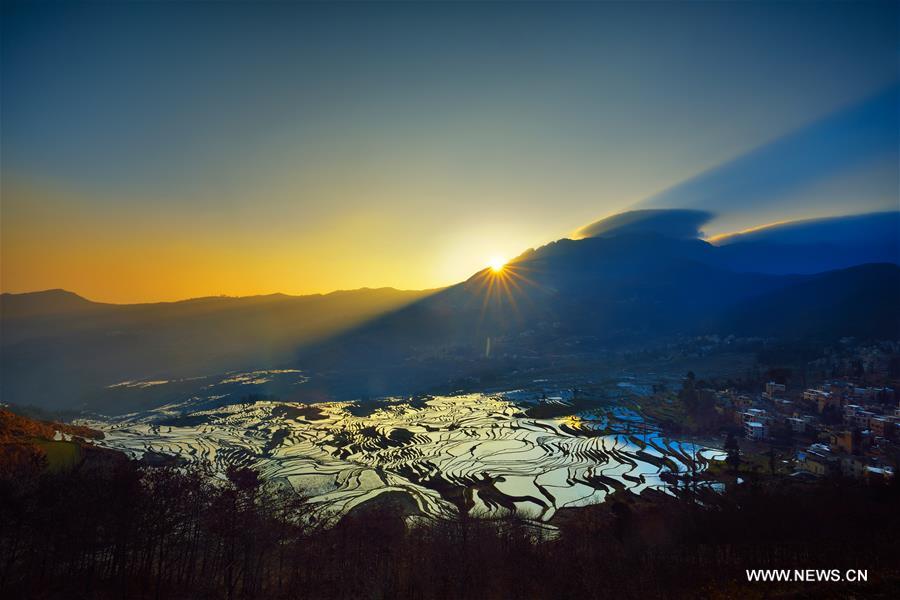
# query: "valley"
[474,453]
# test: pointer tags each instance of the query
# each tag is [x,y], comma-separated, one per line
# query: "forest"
[112,527]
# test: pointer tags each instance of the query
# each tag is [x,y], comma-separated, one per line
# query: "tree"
[733,459]
[856,441]
[831,415]
[243,478]
[688,393]
[779,374]
[784,435]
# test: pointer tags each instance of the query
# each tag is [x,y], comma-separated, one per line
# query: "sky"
[160,151]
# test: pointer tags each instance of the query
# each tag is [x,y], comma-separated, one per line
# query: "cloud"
[872,229]
[678,223]
[841,143]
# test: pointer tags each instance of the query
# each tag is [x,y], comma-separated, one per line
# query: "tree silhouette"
[733,458]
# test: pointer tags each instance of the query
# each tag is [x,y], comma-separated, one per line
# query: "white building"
[755,431]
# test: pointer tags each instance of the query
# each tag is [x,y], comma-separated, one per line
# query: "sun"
[496,263]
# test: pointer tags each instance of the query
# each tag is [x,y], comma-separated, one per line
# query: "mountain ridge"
[625,288]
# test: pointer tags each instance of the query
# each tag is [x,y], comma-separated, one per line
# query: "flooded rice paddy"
[473,453]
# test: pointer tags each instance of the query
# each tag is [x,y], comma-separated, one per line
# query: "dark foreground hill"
[108,527]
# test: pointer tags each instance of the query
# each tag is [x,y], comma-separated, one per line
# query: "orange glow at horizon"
[118,253]
[112,250]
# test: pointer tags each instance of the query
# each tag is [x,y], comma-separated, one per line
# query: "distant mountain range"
[814,245]
[805,246]
[57,347]
[861,301]
[639,278]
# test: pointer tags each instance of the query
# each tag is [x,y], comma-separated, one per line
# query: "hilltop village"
[846,425]
[837,416]
[830,413]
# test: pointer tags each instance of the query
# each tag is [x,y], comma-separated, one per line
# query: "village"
[842,426]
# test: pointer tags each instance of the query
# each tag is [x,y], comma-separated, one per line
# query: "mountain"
[622,288]
[57,347]
[814,245]
[636,280]
[860,301]
[805,246]
[48,302]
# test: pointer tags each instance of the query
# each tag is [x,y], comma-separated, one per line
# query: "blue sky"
[404,144]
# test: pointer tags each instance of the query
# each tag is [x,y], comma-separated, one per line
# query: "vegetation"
[27,442]
[114,528]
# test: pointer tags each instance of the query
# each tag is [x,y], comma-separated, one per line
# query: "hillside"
[615,291]
[638,279]
[27,443]
[860,301]
[56,347]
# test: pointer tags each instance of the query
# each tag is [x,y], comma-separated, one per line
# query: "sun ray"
[502,287]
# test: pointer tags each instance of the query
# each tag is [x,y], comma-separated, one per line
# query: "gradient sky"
[154,151]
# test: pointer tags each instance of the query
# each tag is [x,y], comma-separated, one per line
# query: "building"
[755,431]
[857,416]
[744,401]
[879,474]
[817,460]
[754,414]
[774,390]
[822,399]
[853,467]
[796,424]
[880,426]
[845,442]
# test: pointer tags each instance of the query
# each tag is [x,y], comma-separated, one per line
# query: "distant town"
[834,415]
[846,424]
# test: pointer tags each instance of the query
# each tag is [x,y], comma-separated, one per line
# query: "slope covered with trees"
[112,528]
